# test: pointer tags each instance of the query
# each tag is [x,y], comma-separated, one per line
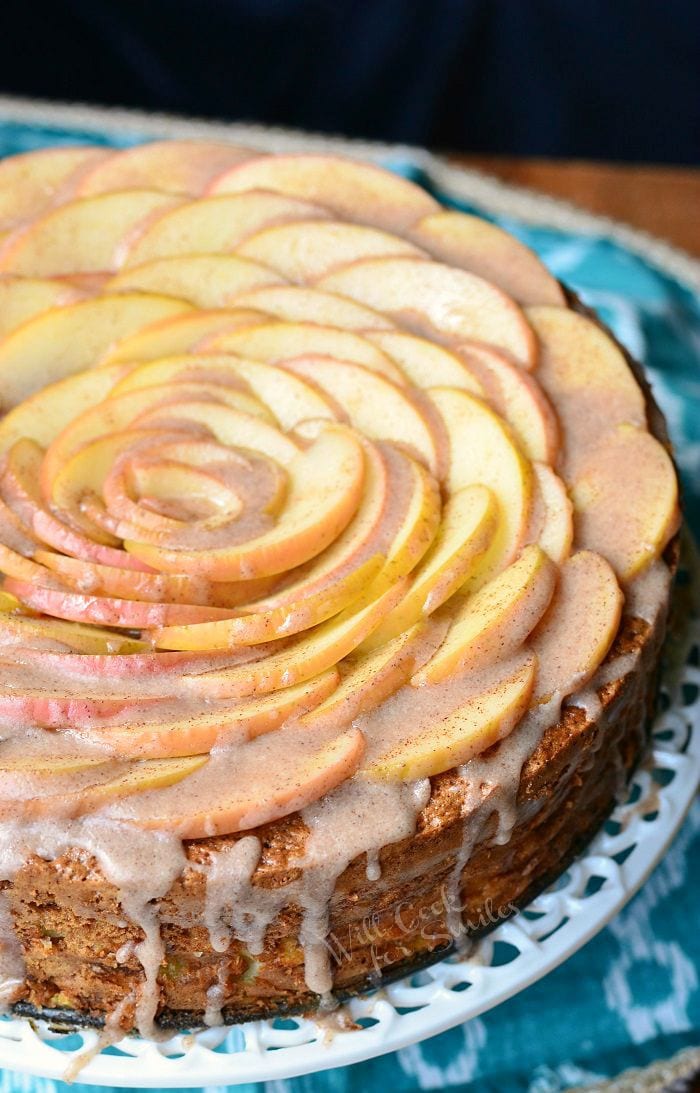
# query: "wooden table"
[663,200]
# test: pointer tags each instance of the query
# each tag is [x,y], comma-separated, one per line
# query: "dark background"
[606,79]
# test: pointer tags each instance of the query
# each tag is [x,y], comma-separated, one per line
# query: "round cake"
[336,540]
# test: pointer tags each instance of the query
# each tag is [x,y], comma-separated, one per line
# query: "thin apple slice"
[264,790]
[468,524]
[118,668]
[424,363]
[34,181]
[80,236]
[478,724]
[353,190]
[325,487]
[21,298]
[482,450]
[228,425]
[174,166]
[297,304]
[174,335]
[495,621]
[48,766]
[378,408]
[205,280]
[279,341]
[369,678]
[306,250]
[626,500]
[587,603]
[215,225]
[518,397]
[587,379]
[198,733]
[106,611]
[474,244]
[552,524]
[289,398]
[17,630]
[303,658]
[257,627]
[149,774]
[14,564]
[66,340]
[439,301]
[43,707]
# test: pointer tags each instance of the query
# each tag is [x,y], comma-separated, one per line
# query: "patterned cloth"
[632,995]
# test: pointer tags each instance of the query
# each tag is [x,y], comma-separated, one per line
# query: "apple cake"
[336,540]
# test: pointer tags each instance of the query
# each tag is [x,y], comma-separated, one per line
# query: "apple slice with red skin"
[198,733]
[37,633]
[438,301]
[32,182]
[119,667]
[128,614]
[351,189]
[325,488]
[275,342]
[552,524]
[48,710]
[297,304]
[204,280]
[173,335]
[306,250]
[66,340]
[174,166]
[215,225]
[309,773]
[475,244]
[302,659]
[494,622]
[81,236]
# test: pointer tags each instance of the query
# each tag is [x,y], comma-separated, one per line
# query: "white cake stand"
[526,947]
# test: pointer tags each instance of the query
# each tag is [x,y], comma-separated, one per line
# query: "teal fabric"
[632,995]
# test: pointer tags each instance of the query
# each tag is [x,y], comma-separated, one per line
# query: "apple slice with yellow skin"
[474,244]
[105,580]
[34,181]
[198,733]
[552,516]
[587,379]
[80,236]
[325,488]
[117,412]
[228,426]
[10,604]
[299,304]
[478,724]
[204,280]
[436,300]
[149,774]
[21,298]
[274,342]
[353,190]
[43,415]
[302,659]
[13,564]
[588,603]
[626,500]
[369,679]
[378,408]
[174,166]
[306,777]
[518,397]
[496,620]
[66,340]
[258,627]
[482,450]
[468,524]
[46,766]
[15,629]
[174,335]
[289,398]
[305,250]
[216,225]
[424,363]
[127,614]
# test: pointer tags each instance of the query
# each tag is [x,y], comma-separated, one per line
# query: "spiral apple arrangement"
[285,442]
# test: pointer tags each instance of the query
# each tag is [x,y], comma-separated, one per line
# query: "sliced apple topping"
[303,480]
